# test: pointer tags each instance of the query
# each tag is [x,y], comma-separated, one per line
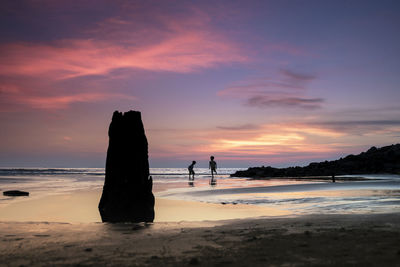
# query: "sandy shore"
[327,240]
[65,229]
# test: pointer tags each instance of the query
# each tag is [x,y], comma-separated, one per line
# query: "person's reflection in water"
[213,166]
[191,174]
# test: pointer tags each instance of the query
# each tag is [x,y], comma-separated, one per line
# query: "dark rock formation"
[127,192]
[385,160]
[15,193]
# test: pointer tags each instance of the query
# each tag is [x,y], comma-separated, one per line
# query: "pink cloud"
[178,48]
[63,101]
[42,96]
[34,74]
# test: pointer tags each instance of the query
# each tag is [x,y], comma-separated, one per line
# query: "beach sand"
[231,235]
[327,240]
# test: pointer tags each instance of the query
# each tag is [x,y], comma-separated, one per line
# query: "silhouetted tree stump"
[127,192]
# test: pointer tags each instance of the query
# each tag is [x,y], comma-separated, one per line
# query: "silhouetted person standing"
[213,167]
[191,171]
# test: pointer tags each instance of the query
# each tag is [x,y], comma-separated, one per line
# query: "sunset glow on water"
[72,195]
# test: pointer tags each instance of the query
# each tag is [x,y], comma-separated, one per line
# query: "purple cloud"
[296,76]
[266,101]
[239,127]
[288,90]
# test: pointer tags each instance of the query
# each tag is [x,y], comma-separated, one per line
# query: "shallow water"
[377,194]
[41,182]
[300,197]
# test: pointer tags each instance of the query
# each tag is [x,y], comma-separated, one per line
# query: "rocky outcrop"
[385,160]
[15,193]
[127,192]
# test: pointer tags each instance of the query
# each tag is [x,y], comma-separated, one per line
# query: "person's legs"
[212,181]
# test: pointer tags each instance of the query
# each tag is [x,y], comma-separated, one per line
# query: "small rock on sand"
[15,193]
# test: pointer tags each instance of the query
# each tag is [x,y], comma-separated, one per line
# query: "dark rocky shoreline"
[384,160]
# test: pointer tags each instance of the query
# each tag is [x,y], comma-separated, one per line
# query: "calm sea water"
[39,181]
[379,193]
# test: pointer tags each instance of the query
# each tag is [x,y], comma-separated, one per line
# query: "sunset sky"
[253,83]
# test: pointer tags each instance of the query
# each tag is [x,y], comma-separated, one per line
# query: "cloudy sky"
[251,82]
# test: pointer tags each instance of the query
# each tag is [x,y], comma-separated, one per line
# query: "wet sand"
[327,240]
[81,207]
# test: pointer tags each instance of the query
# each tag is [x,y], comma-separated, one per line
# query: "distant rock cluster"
[384,160]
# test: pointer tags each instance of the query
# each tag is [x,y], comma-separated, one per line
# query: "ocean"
[40,182]
[372,194]
[61,180]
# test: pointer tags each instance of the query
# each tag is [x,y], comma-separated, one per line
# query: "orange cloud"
[273,143]
[276,141]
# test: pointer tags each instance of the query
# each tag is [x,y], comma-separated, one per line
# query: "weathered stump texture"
[127,192]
